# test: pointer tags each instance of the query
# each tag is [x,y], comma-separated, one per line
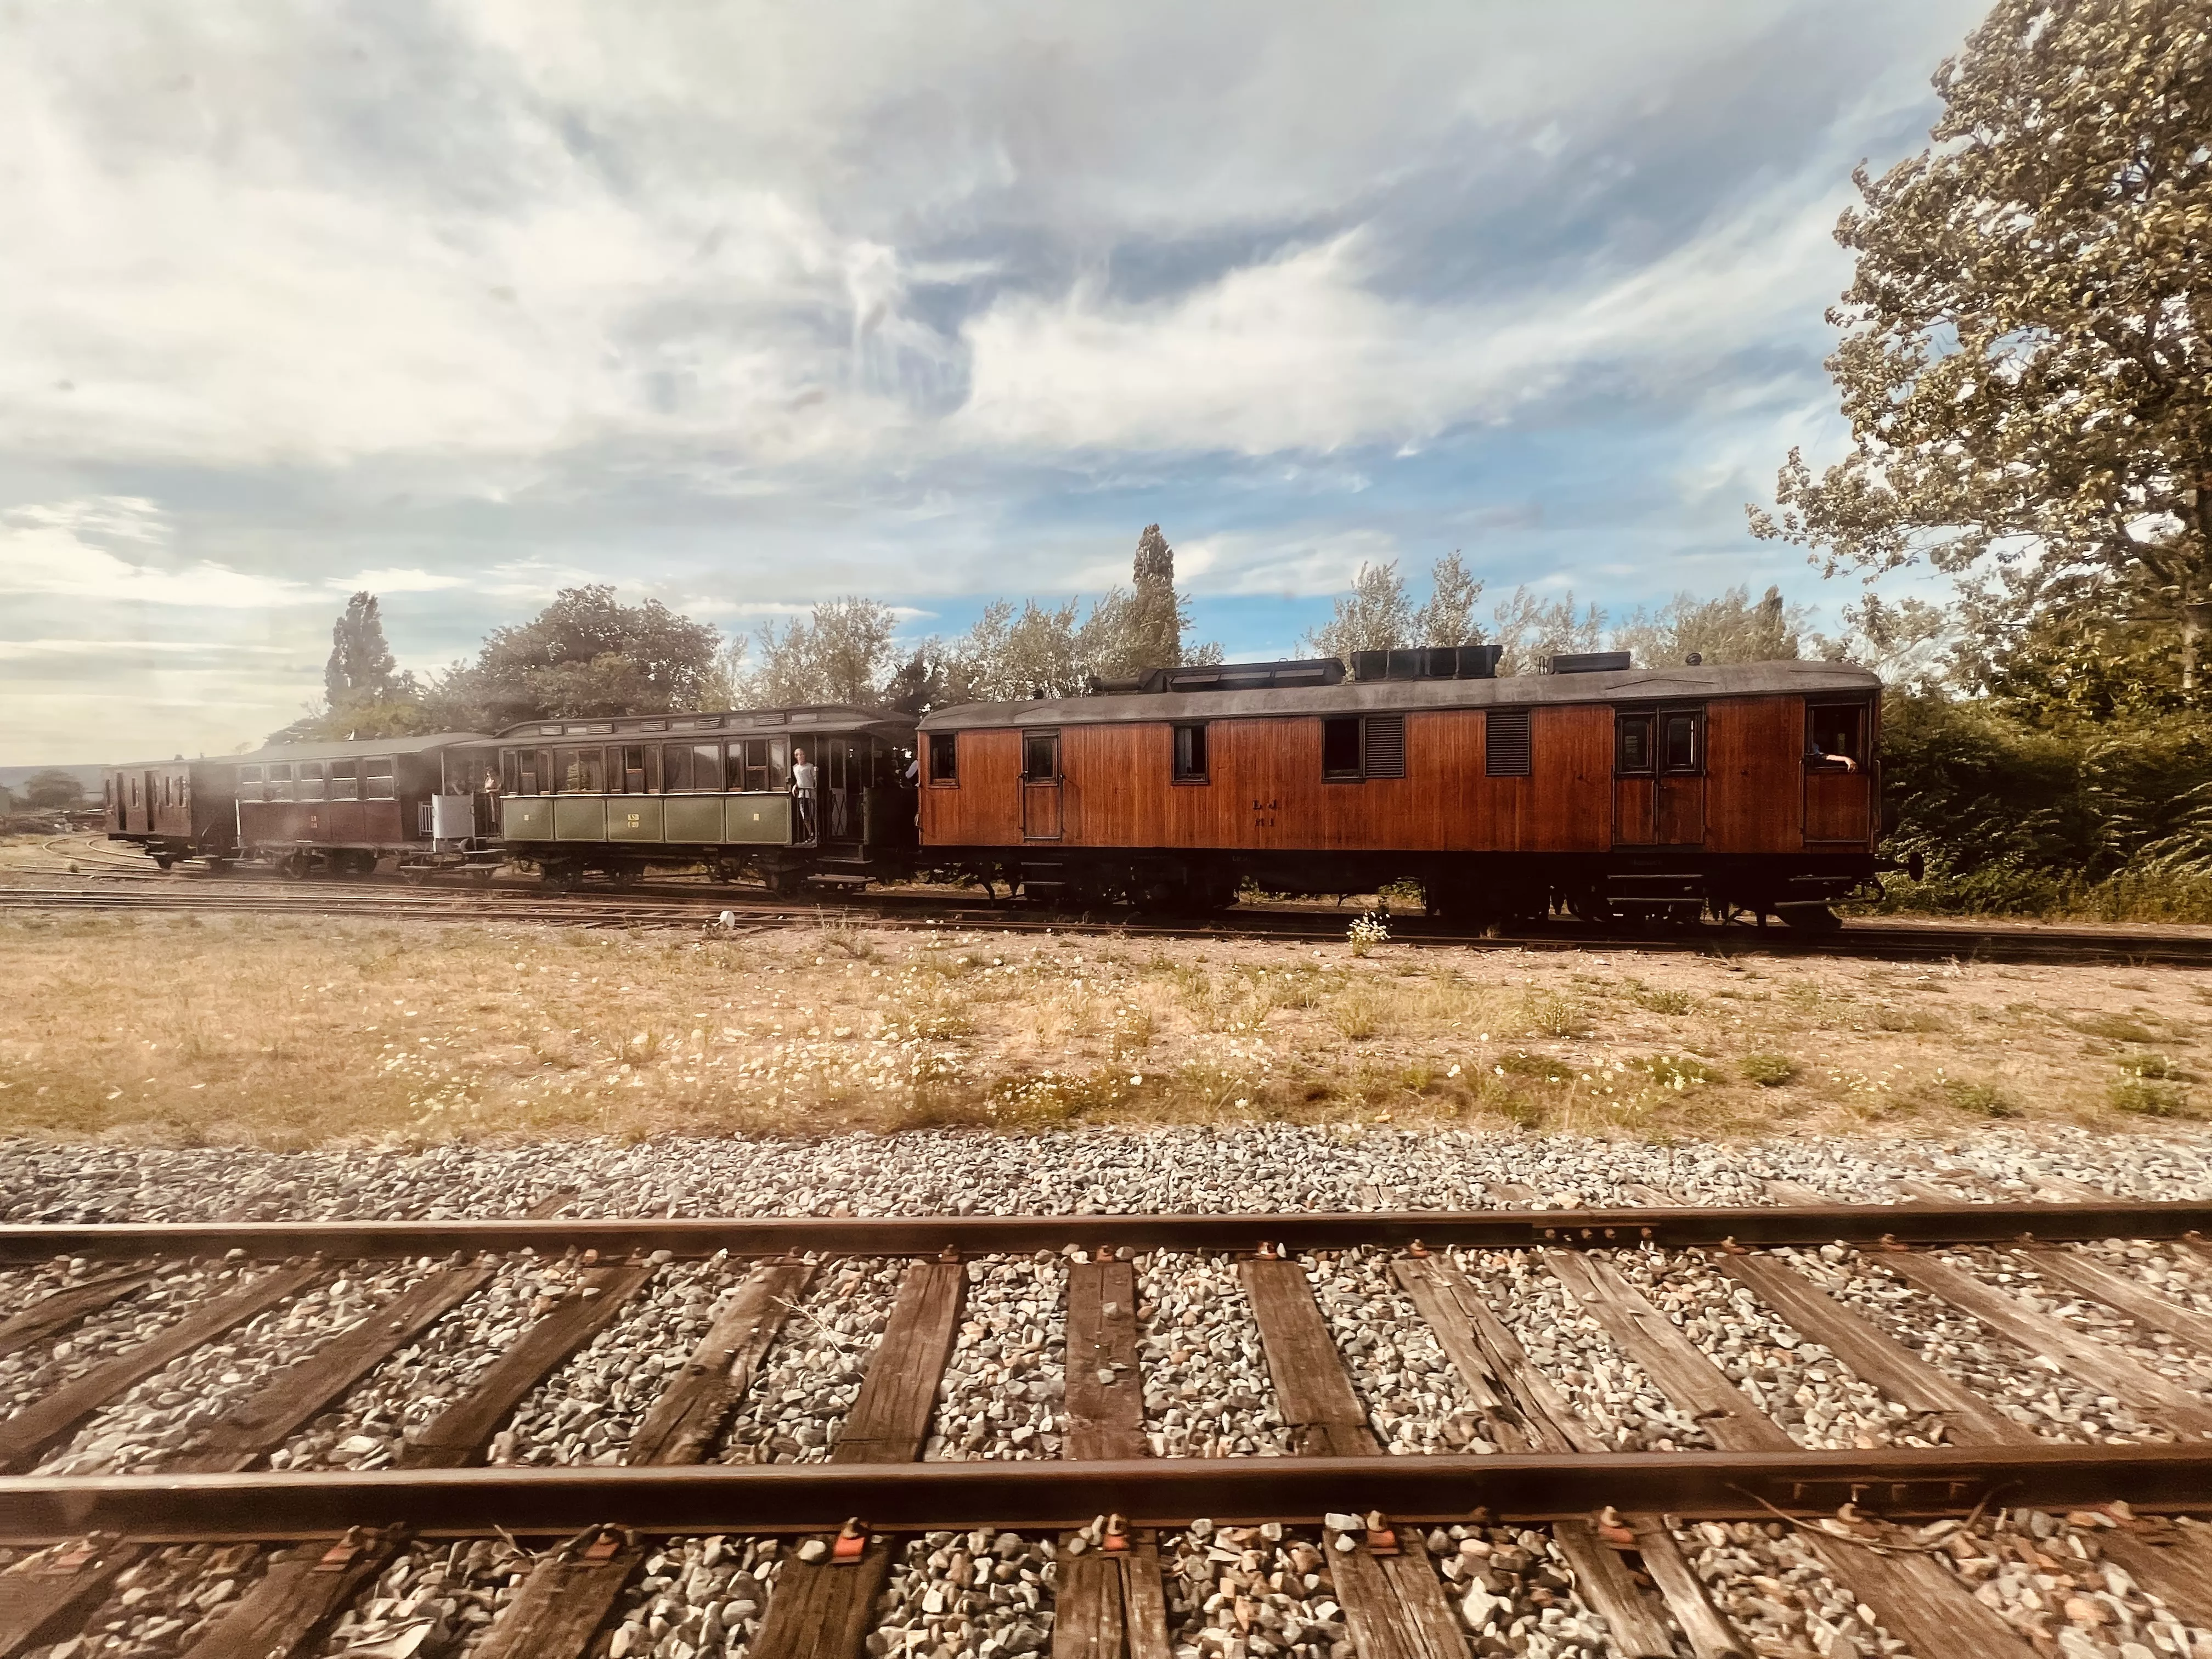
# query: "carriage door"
[1041,785]
[1659,778]
[1838,779]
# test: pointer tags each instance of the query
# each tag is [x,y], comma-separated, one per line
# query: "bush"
[2147,1099]
[1767,1071]
[1981,1099]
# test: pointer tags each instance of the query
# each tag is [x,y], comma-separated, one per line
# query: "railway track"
[671,905]
[1550,1519]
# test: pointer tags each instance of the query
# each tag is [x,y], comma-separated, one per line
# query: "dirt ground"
[300,1031]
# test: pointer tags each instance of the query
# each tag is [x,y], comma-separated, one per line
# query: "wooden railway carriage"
[174,810]
[341,806]
[618,795]
[1621,792]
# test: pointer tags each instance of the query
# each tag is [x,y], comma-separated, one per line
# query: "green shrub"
[1667,1002]
[1768,1071]
[1675,1070]
[1981,1099]
[2145,1099]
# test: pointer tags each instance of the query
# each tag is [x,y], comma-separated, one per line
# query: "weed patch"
[1767,1071]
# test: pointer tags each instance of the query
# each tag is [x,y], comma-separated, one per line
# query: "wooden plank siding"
[1266,790]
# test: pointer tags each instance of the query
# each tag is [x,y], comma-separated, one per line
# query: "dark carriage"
[172,809]
[340,807]
[619,795]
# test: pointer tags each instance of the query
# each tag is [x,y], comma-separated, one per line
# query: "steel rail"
[1151,1491]
[1901,1225]
[1934,942]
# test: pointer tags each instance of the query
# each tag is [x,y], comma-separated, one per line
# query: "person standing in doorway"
[802,793]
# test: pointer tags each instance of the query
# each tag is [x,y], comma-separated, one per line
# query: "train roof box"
[1585,662]
[1224,677]
[1429,662]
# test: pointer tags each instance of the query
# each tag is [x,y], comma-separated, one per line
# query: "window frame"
[1190,759]
[949,777]
[1364,728]
[1666,767]
[311,776]
[1623,721]
[250,783]
[344,781]
[1815,756]
[280,788]
[380,785]
[1051,735]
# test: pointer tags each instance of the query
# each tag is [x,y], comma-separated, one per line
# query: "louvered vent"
[1386,746]
[1505,743]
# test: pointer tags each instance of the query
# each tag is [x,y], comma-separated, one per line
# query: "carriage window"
[676,767]
[514,767]
[1836,737]
[311,781]
[1340,748]
[944,757]
[1190,754]
[345,780]
[280,783]
[379,780]
[1041,756]
[1681,741]
[583,771]
[760,764]
[1631,744]
[633,776]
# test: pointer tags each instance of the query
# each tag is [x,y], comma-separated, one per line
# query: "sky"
[741,306]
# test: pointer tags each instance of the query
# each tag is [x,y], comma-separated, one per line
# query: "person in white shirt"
[802,793]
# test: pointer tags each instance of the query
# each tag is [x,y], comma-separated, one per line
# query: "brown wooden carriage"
[175,809]
[1622,791]
[342,806]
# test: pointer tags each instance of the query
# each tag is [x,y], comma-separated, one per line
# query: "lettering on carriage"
[1263,813]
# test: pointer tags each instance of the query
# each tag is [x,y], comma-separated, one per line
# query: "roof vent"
[1224,677]
[1429,662]
[1585,662]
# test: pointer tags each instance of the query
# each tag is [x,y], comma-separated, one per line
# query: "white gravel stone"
[1803,1386]
[407,1391]
[708,1593]
[1764,1580]
[1416,1400]
[1207,1392]
[167,1412]
[2025,1386]
[953,1594]
[800,1395]
[156,1608]
[1608,1389]
[1005,1388]
[41,1368]
[434,1601]
[1085,1172]
[587,1410]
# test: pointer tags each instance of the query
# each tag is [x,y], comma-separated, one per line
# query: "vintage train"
[1597,787]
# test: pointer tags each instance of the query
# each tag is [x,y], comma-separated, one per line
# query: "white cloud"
[395,580]
[57,550]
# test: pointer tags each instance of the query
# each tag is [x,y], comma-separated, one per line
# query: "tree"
[1127,633]
[583,655]
[362,668]
[841,653]
[52,786]
[1530,629]
[2027,374]
[1449,617]
[1373,616]
[1732,628]
[1910,643]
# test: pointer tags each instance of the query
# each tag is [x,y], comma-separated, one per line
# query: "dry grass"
[295,1032]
